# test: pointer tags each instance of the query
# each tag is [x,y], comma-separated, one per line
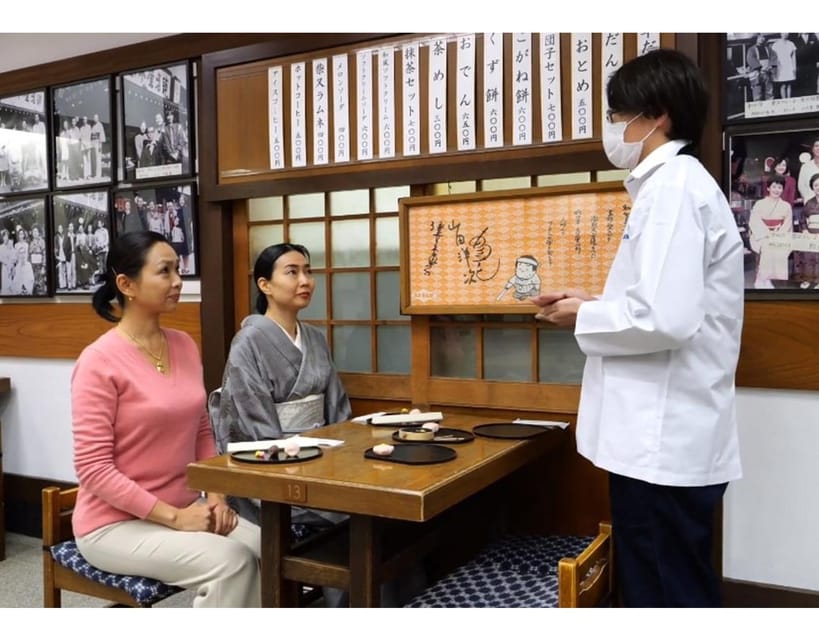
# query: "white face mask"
[622,154]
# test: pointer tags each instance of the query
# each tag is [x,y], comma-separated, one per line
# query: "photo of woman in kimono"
[806,263]
[769,215]
[279,378]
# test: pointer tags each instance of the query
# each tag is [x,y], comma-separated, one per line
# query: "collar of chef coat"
[650,164]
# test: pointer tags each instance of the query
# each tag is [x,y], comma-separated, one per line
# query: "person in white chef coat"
[662,340]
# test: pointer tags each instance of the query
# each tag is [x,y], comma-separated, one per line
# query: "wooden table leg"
[365,560]
[276,591]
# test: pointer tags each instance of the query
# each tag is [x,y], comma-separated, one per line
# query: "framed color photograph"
[167,209]
[770,75]
[81,236]
[774,194]
[23,143]
[156,120]
[25,256]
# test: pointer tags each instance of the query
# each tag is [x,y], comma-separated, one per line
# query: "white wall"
[20,50]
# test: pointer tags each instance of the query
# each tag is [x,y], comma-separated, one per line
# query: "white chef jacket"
[662,341]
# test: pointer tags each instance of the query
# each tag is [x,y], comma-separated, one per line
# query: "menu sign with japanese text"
[491,252]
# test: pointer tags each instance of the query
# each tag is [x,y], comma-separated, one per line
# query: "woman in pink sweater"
[139,418]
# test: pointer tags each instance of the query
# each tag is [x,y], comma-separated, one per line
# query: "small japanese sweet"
[383,449]
[414,411]
[291,448]
[268,454]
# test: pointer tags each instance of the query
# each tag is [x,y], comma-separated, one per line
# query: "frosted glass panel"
[498,184]
[394,349]
[386,198]
[317,309]
[311,235]
[507,354]
[349,202]
[260,209]
[560,360]
[557,179]
[351,296]
[386,242]
[263,236]
[351,243]
[443,188]
[305,205]
[352,348]
[452,352]
[612,175]
[388,296]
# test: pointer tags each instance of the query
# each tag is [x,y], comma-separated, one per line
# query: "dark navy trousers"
[663,543]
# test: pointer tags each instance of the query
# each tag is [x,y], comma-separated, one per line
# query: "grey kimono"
[264,369]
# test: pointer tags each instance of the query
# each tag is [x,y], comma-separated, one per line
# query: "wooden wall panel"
[63,330]
[779,347]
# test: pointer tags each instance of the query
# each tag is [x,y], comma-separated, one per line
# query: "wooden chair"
[64,568]
[530,571]
[588,579]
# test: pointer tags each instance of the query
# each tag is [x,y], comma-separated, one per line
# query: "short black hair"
[662,81]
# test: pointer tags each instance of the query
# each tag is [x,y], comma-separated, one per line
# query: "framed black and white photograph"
[23,143]
[25,256]
[773,191]
[156,131]
[82,129]
[81,235]
[169,210]
[770,75]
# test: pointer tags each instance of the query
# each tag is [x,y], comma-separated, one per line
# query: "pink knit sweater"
[135,430]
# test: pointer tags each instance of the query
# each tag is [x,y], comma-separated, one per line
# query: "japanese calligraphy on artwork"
[490,252]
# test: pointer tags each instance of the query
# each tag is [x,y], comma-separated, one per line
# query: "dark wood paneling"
[50,330]
[777,351]
[737,593]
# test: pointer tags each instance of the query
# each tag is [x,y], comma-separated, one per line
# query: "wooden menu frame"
[488,252]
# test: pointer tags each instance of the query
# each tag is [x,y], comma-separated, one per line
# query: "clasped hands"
[560,307]
[214,516]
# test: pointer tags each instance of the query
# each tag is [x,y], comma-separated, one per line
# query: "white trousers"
[223,571]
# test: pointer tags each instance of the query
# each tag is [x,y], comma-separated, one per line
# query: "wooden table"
[5,387]
[373,492]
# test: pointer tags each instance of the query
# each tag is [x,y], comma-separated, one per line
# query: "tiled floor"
[21,579]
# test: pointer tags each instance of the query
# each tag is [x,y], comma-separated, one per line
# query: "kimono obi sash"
[813,223]
[302,414]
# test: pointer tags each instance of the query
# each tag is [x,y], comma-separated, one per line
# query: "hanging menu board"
[489,252]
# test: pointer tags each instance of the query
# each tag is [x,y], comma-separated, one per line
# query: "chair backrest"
[58,505]
[588,579]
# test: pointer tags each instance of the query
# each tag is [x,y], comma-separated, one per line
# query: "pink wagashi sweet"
[414,411]
[291,448]
[383,449]
[432,426]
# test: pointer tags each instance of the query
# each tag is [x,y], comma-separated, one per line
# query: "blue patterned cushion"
[532,554]
[475,586]
[145,591]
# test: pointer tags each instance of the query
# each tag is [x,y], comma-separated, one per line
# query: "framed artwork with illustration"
[167,209]
[81,224]
[82,118]
[25,253]
[773,190]
[23,143]
[770,75]
[156,123]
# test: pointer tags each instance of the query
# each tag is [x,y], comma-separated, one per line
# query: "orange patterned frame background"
[488,252]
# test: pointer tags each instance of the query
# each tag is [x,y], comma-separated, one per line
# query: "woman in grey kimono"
[279,378]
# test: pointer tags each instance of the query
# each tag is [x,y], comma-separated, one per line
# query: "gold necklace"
[160,367]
